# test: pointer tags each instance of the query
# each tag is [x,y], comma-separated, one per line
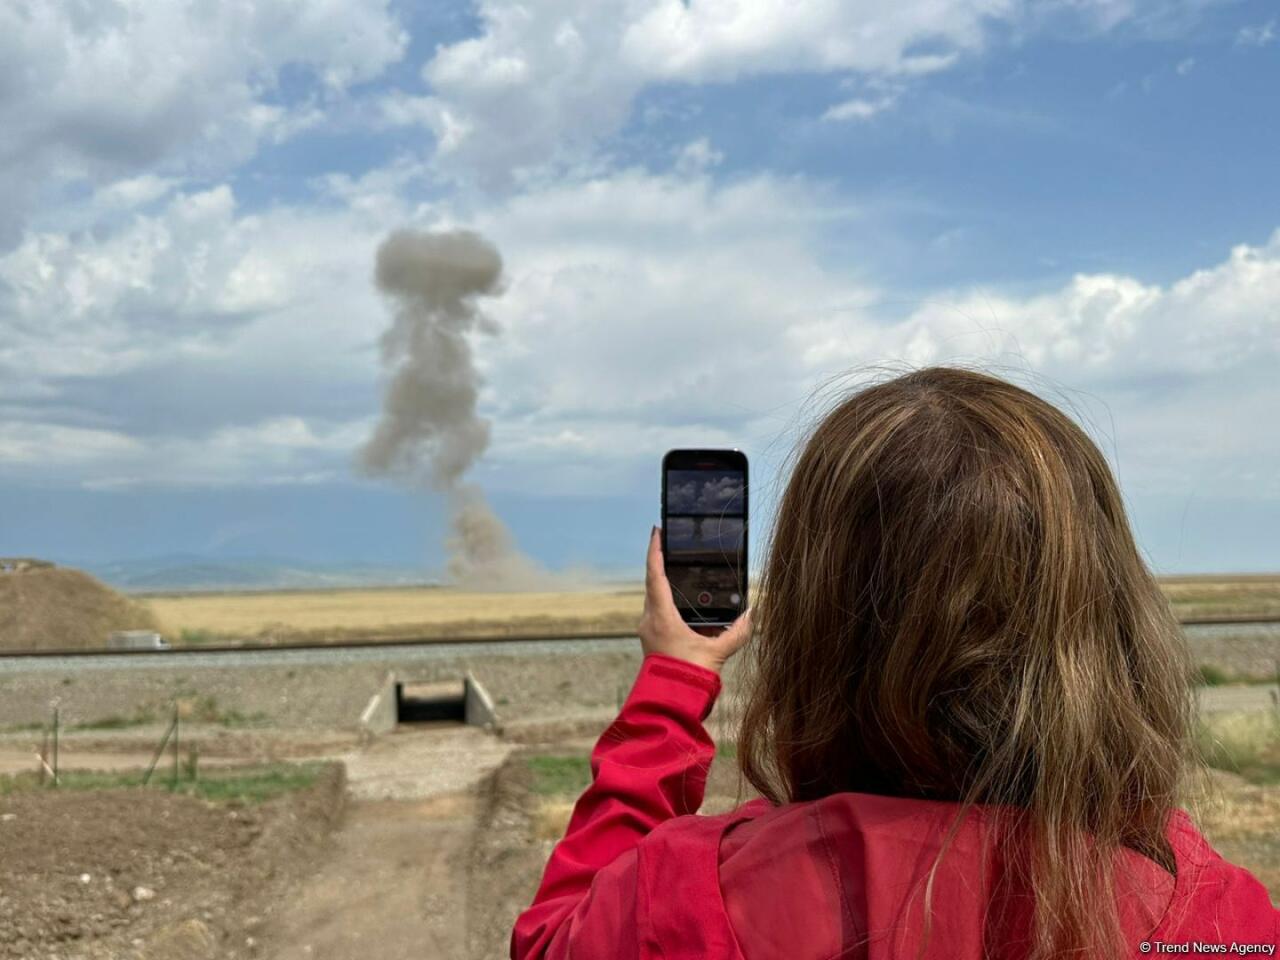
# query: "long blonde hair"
[953,607]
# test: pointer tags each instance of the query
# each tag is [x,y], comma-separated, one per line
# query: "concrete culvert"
[403,700]
[431,702]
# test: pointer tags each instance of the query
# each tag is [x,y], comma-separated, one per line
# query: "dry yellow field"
[319,615]
[381,613]
[1208,596]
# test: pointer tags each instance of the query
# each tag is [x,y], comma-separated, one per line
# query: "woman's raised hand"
[663,631]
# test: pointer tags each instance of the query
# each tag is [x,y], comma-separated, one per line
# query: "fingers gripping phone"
[704,533]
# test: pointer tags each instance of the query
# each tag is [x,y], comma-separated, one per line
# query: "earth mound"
[44,607]
[146,874]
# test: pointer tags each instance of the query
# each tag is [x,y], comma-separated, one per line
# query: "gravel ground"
[1248,650]
[530,683]
[534,681]
[311,688]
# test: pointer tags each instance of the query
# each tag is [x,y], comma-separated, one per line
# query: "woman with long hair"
[968,716]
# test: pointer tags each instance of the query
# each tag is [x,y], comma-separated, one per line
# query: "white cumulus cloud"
[123,88]
[544,83]
[640,310]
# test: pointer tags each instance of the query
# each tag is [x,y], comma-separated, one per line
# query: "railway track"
[395,644]
[374,643]
[400,651]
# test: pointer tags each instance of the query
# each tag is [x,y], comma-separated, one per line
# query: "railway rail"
[376,643]
[393,643]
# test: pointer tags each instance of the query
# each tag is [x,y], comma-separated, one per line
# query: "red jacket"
[638,875]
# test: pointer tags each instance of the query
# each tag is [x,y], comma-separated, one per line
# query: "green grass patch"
[23,727]
[236,719]
[241,784]
[194,708]
[1247,744]
[560,775]
[557,775]
[1208,675]
[257,785]
[139,718]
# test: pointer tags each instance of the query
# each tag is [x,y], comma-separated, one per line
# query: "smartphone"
[704,533]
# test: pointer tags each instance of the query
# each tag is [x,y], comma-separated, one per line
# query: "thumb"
[736,635]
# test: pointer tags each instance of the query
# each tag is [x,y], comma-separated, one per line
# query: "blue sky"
[713,216]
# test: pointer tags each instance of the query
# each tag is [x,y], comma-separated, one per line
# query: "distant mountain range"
[196,573]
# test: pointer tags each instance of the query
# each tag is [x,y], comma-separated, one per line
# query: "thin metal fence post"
[176,720]
[155,758]
[57,722]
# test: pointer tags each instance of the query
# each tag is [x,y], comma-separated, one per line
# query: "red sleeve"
[649,766]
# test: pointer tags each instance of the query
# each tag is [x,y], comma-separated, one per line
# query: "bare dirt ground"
[444,839]
[392,880]
[395,876]
[250,881]
[423,761]
[146,874]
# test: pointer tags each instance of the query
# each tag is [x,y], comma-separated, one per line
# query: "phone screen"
[704,533]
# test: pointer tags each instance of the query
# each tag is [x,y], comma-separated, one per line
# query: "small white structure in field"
[136,640]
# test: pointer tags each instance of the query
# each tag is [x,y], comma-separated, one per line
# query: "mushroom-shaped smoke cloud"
[430,433]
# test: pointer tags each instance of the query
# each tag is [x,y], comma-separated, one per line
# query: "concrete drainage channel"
[458,746]
[401,700]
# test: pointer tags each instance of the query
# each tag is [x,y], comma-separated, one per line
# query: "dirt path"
[393,887]
[425,760]
[390,889]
